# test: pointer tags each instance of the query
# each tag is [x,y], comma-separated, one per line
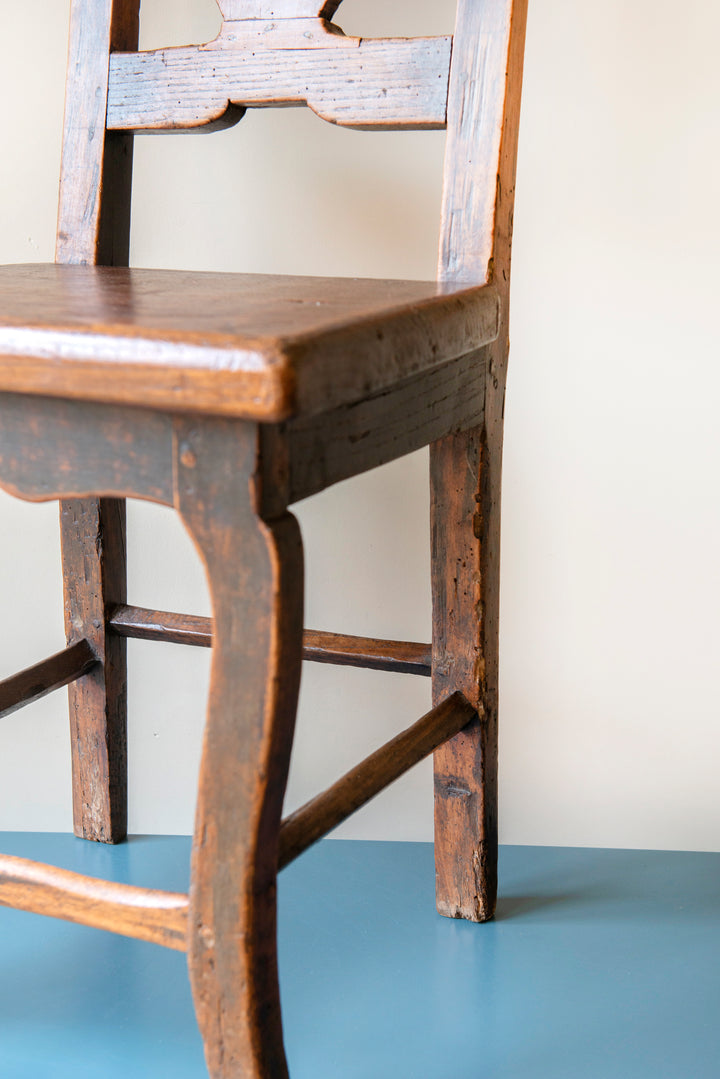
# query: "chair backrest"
[287,53]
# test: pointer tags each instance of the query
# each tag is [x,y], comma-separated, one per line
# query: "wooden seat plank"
[261,347]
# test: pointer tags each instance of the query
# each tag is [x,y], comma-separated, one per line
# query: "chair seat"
[260,347]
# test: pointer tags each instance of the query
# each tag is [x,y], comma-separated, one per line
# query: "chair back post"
[481,152]
[465,468]
[96,171]
[94,229]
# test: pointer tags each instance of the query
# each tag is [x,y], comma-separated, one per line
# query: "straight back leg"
[478,202]
[465,578]
[94,578]
[94,229]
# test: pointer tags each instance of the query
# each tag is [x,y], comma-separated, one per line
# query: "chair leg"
[255,575]
[94,576]
[465,578]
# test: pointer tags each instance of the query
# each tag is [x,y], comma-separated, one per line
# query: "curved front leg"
[255,573]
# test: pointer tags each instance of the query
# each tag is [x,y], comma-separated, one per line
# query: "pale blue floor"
[601,964]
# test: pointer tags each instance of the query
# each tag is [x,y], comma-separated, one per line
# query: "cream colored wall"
[611,591]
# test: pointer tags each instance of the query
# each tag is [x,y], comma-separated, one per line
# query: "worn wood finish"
[96,171]
[144,624]
[302,32]
[402,657]
[319,816]
[136,383]
[250,345]
[94,227]
[157,917]
[346,441]
[95,570]
[481,147]
[355,82]
[52,448]
[257,607]
[42,678]
[466,768]
[483,112]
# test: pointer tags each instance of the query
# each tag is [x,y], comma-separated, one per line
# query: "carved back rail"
[282,61]
[290,53]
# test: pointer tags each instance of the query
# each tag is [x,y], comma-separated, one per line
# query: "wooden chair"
[230,397]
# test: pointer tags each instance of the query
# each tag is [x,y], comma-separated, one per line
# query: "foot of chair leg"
[466,846]
[255,575]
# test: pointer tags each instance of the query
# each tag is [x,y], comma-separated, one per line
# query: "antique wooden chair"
[230,397]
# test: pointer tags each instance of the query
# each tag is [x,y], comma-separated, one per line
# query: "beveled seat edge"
[267,380]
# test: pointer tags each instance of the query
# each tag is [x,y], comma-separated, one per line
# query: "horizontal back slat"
[354,82]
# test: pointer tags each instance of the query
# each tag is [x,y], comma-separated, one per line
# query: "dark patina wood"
[143,624]
[346,441]
[319,816]
[246,751]
[48,445]
[94,228]
[466,467]
[150,384]
[93,558]
[42,678]
[403,657]
[50,448]
[256,346]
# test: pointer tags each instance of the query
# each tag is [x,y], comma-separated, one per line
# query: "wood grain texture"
[143,624]
[479,100]
[402,657]
[346,441]
[256,346]
[53,448]
[483,112]
[94,227]
[319,816]
[466,768]
[96,171]
[246,749]
[50,448]
[163,380]
[157,917]
[42,678]
[297,33]
[94,569]
[380,83]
